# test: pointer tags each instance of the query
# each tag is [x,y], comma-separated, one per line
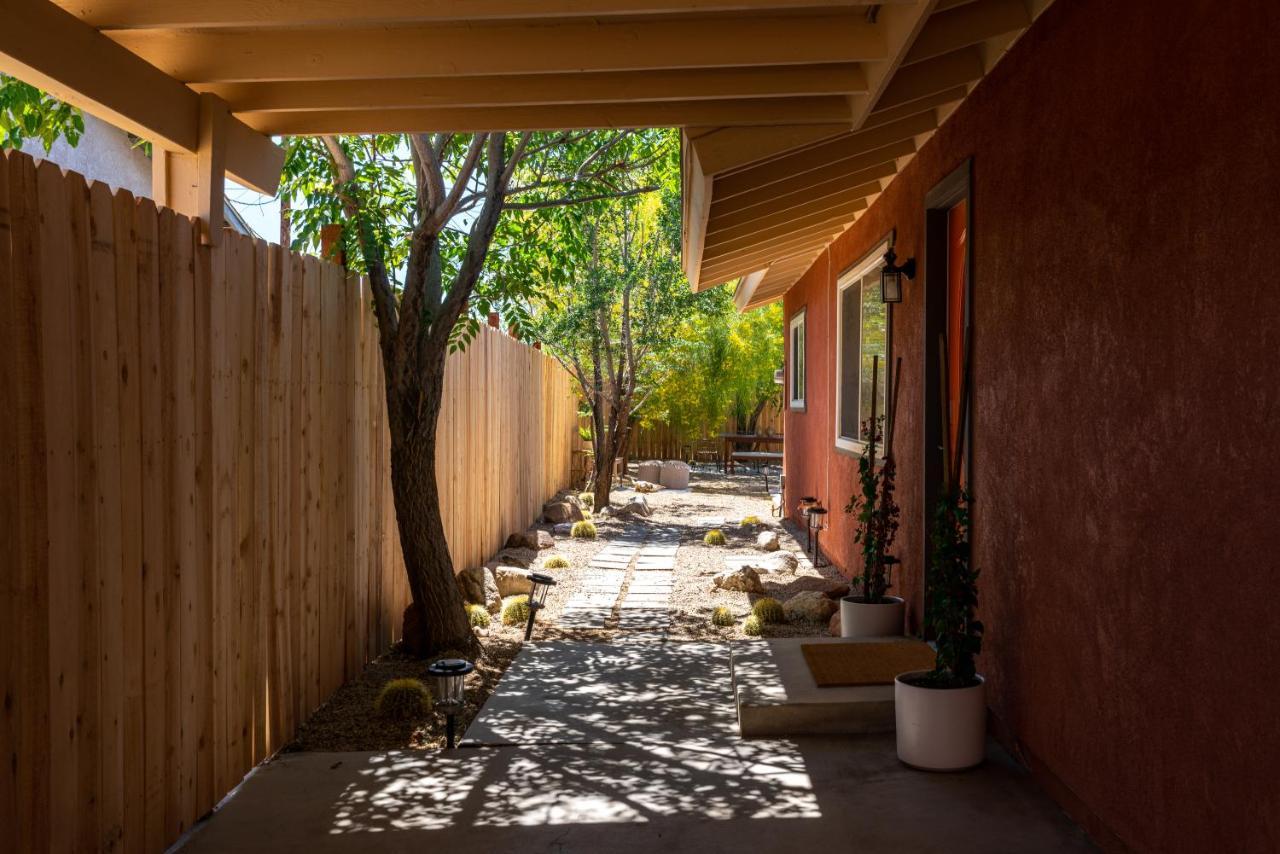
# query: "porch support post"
[193,184]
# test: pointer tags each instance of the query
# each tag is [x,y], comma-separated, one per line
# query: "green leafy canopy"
[28,113]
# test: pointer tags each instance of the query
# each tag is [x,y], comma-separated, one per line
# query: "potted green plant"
[941,713]
[868,610]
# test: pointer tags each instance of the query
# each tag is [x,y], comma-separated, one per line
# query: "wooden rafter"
[753,111]
[196,14]
[542,89]
[212,56]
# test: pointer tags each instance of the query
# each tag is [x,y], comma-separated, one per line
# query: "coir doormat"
[854,663]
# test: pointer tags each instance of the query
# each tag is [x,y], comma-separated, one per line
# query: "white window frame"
[854,276]
[797,323]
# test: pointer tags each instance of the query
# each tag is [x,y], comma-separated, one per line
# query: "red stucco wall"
[1126,210]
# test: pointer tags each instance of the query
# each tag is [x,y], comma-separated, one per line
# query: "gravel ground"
[694,597]
[347,721]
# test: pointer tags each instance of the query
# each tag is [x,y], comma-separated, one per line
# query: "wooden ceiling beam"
[772,195]
[52,50]
[555,117]
[196,14]
[843,147]
[363,53]
[901,25]
[696,205]
[792,206]
[942,73]
[800,261]
[538,89]
[967,25]
[910,108]
[766,238]
[740,263]
[795,167]
[725,149]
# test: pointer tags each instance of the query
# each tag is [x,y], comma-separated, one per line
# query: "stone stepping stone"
[664,566]
[646,601]
[659,551]
[650,583]
[590,600]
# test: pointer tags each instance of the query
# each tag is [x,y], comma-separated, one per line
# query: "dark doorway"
[948,314]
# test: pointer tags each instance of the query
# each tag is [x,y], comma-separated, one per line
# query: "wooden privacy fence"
[663,442]
[196,517]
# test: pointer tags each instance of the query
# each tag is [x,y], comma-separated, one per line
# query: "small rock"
[637,506]
[512,581]
[833,627]
[645,486]
[544,540]
[508,557]
[471,585]
[767,541]
[743,580]
[563,529]
[555,512]
[783,563]
[809,606]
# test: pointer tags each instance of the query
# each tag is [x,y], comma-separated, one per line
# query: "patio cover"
[795,113]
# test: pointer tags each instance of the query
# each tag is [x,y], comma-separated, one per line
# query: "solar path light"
[451,676]
[537,598]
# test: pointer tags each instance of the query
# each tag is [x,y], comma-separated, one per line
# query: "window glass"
[874,342]
[863,329]
[798,378]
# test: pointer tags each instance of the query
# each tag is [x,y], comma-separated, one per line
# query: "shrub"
[404,700]
[515,610]
[714,538]
[722,616]
[586,499]
[584,530]
[749,521]
[753,627]
[769,611]
[556,562]
[477,616]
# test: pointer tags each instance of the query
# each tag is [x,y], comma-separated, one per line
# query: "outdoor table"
[731,440]
[764,457]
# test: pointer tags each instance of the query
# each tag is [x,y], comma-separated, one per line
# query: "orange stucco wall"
[1126,379]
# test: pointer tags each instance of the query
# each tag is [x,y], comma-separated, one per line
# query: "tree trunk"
[436,619]
[606,452]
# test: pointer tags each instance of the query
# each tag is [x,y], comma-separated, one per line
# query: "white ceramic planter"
[860,620]
[940,729]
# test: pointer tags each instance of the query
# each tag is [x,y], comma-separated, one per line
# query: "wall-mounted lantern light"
[542,583]
[891,276]
[450,675]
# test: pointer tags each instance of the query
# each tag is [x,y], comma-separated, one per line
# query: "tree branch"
[564,202]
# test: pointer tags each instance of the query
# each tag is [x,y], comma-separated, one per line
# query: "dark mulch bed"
[348,720]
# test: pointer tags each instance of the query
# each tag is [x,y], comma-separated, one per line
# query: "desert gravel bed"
[682,514]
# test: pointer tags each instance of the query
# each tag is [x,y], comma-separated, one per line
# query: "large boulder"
[675,474]
[471,585]
[833,627]
[530,539]
[650,470]
[556,512]
[492,596]
[510,557]
[836,590]
[809,606]
[512,581]
[637,506]
[767,541]
[744,579]
[563,529]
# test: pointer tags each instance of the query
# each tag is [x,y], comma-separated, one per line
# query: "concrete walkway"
[621,748]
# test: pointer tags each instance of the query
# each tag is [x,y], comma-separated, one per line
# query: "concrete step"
[776,695]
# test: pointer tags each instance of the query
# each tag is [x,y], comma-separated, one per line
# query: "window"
[797,375]
[862,333]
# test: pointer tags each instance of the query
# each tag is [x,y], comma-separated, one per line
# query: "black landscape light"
[451,677]
[537,597]
[807,502]
[891,276]
[817,521]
